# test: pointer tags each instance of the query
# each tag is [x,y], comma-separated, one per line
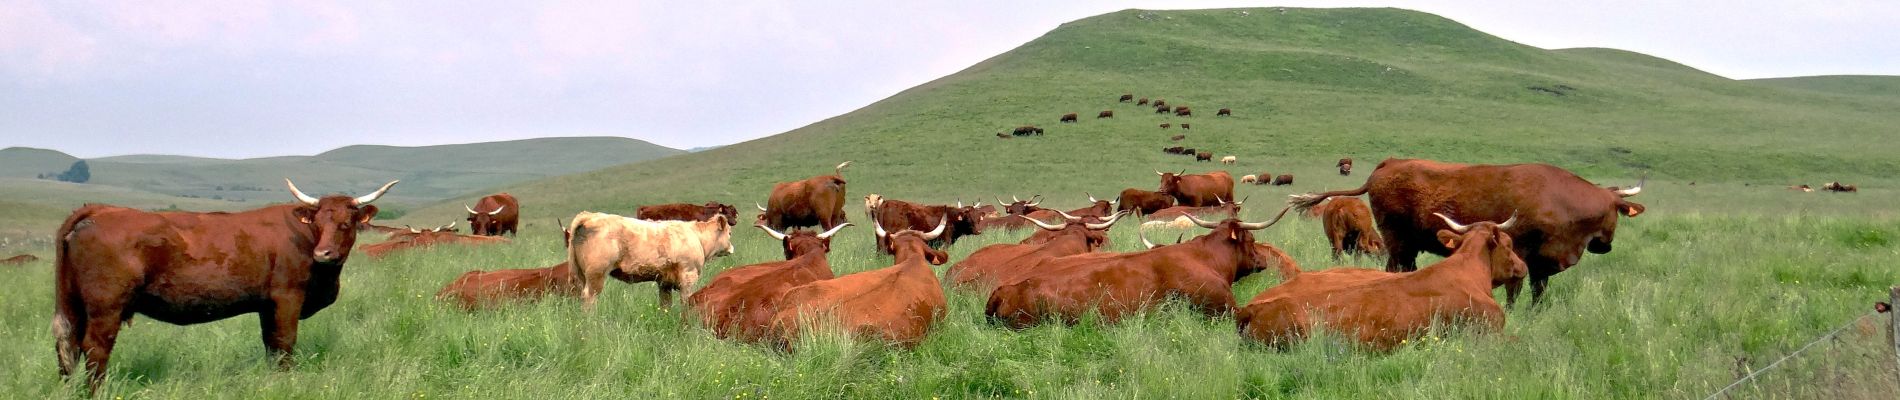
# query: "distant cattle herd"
[1496,225]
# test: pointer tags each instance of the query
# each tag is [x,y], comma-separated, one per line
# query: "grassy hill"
[429,173]
[1868,85]
[1307,86]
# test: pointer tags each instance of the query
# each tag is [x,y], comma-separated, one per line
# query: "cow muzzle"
[324,255]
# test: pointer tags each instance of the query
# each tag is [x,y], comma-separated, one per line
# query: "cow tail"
[68,326]
[1303,202]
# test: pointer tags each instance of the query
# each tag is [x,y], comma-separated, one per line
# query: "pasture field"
[1685,303]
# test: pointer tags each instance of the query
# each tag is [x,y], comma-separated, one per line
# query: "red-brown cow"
[1003,262]
[1142,102]
[1380,310]
[1070,117]
[1105,114]
[897,304]
[1201,271]
[1163,109]
[739,303]
[1345,166]
[1125,98]
[1143,202]
[1177,138]
[499,213]
[1562,214]
[1017,207]
[280,262]
[475,290]
[1348,223]
[1183,111]
[1283,180]
[1224,112]
[1264,254]
[1204,156]
[425,239]
[19,260]
[964,221]
[1223,210]
[1096,208]
[1197,189]
[1159,103]
[815,201]
[688,212]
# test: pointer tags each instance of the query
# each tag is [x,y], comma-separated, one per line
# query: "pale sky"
[245,78]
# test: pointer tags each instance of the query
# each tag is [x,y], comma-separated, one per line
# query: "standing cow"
[1143,202]
[493,215]
[1348,226]
[1070,117]
[669,253]
[280,262]
[1561,215]
[1197,190]
[815,201]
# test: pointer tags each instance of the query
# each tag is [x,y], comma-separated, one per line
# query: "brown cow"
[1159,103]
[1025,130]
[1105,114]
[1283,180]
[740,301]
[1197,189]
[500,214]
[964,221]
[1345,166]
[475,290]
[1165,125]
[1096,208]
[1172,150]
[1000,263]
[1201,271]
[1264,254]
[280,262]
[1380,310]
[688,212]
[1177,138]
[1224,209]
[1125,98]
[897,304]
[423,239]
[1017,207]
[381,229]
[1186,126]
[1801,188]
[1563,214]
[19,259]
[1070,117]
[1836,186]
[1142,201]
[1348,225]
[1142,102]
[815,201]
[1183,111]
[1224,112]
[1163,109]
[1204,156]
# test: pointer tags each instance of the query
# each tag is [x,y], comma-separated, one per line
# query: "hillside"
[429,173]
[1881,86]
[1307,86]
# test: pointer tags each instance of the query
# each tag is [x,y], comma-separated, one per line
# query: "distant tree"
[42,176]
[79,173]
[221,188]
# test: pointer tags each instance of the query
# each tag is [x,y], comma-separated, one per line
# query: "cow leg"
[1539,282]
[1339,245]
[102,332]
[1214,301]
[1401,259]
[1511,288]
[279,326]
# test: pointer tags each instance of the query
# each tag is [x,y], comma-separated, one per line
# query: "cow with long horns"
[494,215]
[1002,263]
[1197,190]
[740,302]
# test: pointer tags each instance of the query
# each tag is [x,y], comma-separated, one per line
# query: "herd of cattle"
[1496,225]
[1830,186]
[1161,107]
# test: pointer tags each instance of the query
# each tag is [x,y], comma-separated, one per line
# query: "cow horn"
[1066,216]
[498,210]
[1243,200]
[1106,224]
[959,203]
[978,204]
[412,229]
[840,170]
[1455,226]
[932,235]
[1509,222]
[1092,199]
[880,229]
[470,210]
[1633,190]
[761,208]
[1045,225]
[1158,173]
[1033,202]
[774,234]
[1143,234]
[999,200]
[1263,225]
[1202,223]
[306,199]
[834,230]
[372,196]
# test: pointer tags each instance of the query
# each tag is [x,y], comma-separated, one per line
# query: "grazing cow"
[1142,102]
[500,214]
[1142,202]
[1381,310]
[1125,98]
[1345,166]
[1186,126]
[1228,160]
[1105,114]
[280,262]
[1173,150]
[1183,112]
[740,301]
[1839,188]
[669,253]
[1165,125]
[897,304]
[1204,156]
[1201,271]
[1249,179]
[1027,130]
[1348,225]
[1801,188]
[423,239]
[1263,178]
[1224,112]
[475,290]
[964,221]
[1224,209]
[1162,109]
[1177,138]
[1563,214]
[19,259]
[687,212]
[1197,189]
[1000,135]
[1001,263]
[1283,180]
[1070,117]
[1188,152]
[815,201]
[1159,103]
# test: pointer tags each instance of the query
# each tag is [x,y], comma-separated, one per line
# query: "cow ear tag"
[304,219]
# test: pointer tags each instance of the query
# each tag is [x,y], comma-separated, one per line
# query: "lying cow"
[897,304]
[475,290]
[669,253]
[19,259]
[687,212]
[1381,310]
[741,301]
[1001,263]
[423,239]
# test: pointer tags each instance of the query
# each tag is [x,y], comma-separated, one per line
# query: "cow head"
[332,220]
[1020,206]
[718,233]
[1170,182]
[711,208]
[1490,244]
[1094,230]
[914,240]
[967,220]
[801,242]
[1233,235]
[484,222]
[1600,242]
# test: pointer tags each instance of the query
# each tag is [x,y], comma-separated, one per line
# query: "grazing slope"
[1307,86]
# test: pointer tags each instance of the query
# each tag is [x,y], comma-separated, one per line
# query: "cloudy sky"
[244,78]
